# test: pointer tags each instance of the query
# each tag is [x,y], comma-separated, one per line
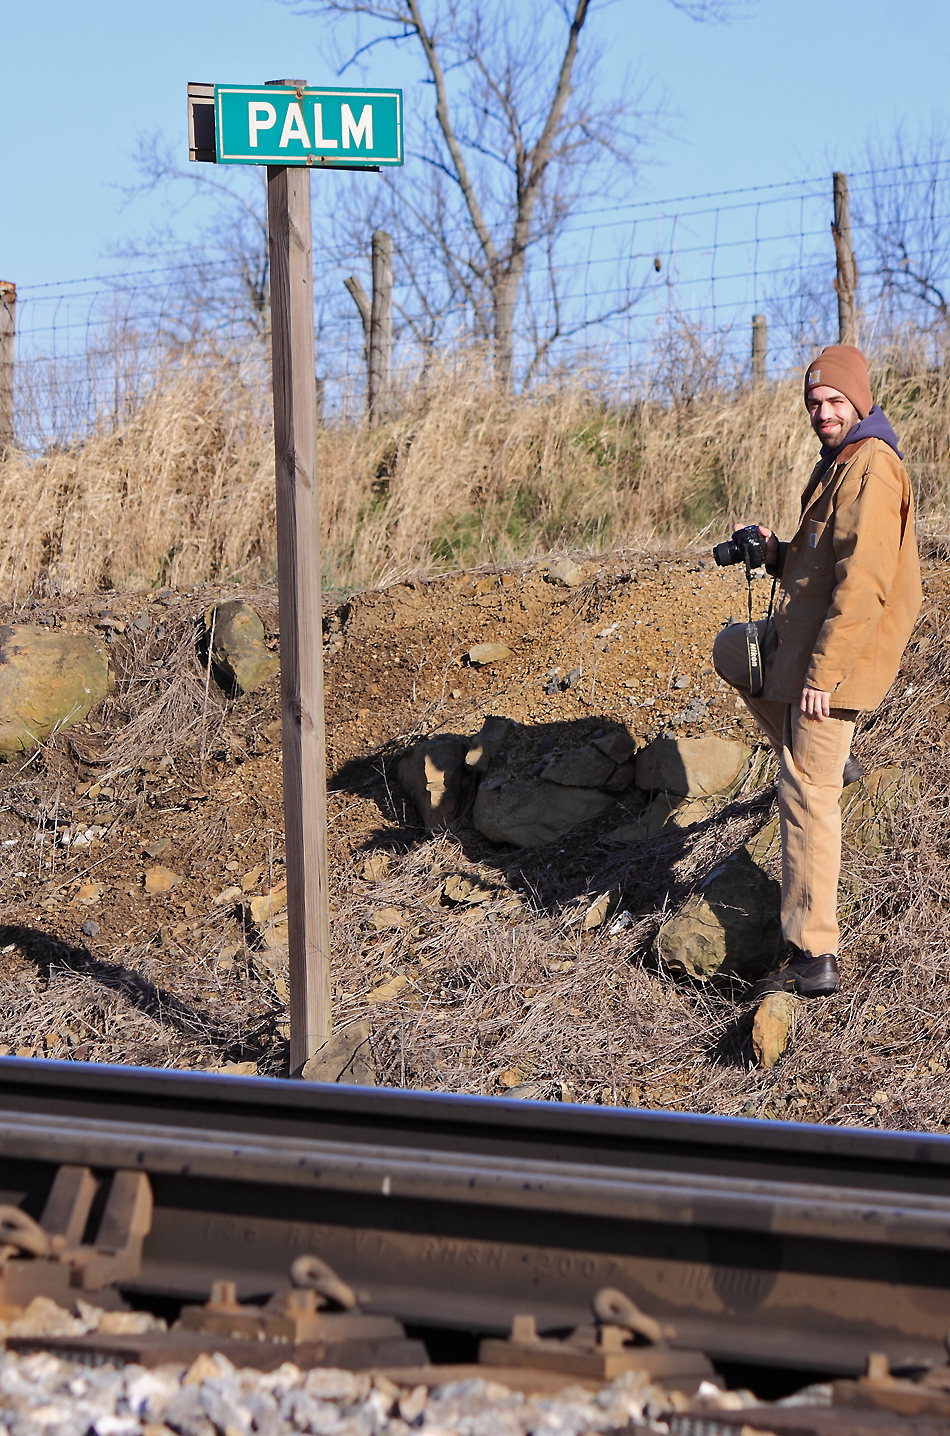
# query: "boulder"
[430,775]
[689,812]
[345,1057]
[241,658]
[772,1027]
[486,744]
[766,843]
[483,653]
[585,767]
[601,763]
[618,745]
[566,573]
[868,807]
[532,814]
[691,767]
[621,778]
[48,681]
[666,810]
[732,925]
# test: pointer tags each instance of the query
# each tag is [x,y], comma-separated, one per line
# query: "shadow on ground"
[647,875]
[49,953]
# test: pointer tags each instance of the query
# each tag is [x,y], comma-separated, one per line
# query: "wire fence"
[627,290]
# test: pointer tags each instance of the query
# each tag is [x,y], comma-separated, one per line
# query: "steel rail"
[781,1243]
[743,1204]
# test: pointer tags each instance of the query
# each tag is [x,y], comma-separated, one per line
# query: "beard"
[833,433]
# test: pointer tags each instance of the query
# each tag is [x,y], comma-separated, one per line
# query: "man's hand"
[771,542]
[816,704]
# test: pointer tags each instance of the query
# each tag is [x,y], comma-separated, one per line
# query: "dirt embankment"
[508,992]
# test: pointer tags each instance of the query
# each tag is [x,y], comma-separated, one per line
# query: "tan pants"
[812,754]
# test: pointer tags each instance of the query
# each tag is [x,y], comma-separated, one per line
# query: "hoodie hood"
[875,426]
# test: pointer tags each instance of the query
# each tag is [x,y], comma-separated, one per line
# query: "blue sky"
[782,92]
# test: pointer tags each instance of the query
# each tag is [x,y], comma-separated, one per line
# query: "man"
[850,594]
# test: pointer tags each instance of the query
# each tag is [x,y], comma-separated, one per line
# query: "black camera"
[746,546]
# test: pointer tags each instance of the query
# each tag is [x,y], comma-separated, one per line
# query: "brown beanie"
[844,368]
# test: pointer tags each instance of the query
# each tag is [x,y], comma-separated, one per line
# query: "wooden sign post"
[293,129]
[301,614]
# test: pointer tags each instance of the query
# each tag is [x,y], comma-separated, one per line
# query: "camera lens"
[727,553]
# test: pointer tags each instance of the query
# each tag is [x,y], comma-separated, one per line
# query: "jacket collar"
[848,452]
[830,469]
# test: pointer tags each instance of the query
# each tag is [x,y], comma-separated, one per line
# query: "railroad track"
[753,1242]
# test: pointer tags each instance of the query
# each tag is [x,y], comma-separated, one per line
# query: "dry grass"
[515,992]
[182,493]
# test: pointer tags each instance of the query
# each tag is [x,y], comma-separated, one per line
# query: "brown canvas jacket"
[850,581]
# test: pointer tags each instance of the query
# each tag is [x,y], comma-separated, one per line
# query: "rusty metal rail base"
[758,1242]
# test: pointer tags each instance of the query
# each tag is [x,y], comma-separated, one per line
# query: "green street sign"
[319,127]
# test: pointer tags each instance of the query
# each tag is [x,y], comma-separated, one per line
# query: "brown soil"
[506,993]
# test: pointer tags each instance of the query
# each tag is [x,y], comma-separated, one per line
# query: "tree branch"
[455,149]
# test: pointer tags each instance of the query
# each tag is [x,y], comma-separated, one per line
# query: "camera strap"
[753,647]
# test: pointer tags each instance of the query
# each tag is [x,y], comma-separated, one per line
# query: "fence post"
[381,327]
[760,346]
[301,610]
[361,300]
[7,337]
[846,280]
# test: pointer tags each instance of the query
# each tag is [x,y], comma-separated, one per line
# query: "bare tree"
[221,280]
[516,139]
[902,215]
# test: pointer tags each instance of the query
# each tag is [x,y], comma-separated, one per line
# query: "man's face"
[832,415]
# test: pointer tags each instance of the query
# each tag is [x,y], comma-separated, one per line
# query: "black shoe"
[808,976]
[853,770]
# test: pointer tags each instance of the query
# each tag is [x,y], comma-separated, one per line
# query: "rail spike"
[314,1274]
[20,1233]
[612,1307]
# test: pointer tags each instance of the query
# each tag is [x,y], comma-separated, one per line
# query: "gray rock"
[345,1057]
[566,572]
[621,779]
[586,767]
[532,814]
[618,745]
[48,681]
[486,744]
[529,1091]
[669,810]
[692,767]
[185,1414]
[239,653]
[731,925]
[265,1413]
[225,1408]
[601,763]
[90,928]
[694,712]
